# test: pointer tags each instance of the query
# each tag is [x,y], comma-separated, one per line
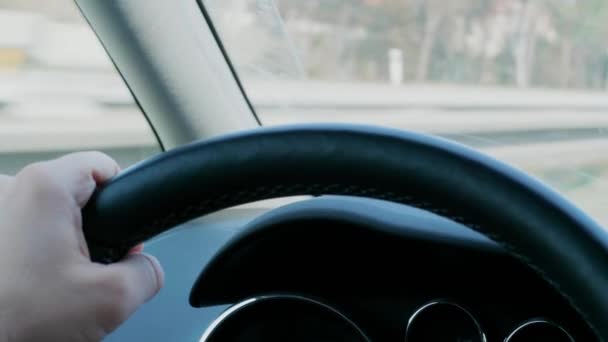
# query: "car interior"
[327,227]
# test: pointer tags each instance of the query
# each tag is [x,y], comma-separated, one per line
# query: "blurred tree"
[553,43]
[532,21]
[582,27]
[434,14]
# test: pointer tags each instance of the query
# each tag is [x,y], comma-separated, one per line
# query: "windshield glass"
[60,92]
[525,81]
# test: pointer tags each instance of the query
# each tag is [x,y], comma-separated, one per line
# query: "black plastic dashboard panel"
[378,262]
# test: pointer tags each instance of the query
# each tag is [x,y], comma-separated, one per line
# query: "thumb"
[136,279]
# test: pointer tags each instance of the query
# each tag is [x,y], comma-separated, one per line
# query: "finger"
[82,172]
[60,187]
[139,277]
[137,249]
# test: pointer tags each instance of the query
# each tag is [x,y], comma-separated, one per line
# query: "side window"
[59,91]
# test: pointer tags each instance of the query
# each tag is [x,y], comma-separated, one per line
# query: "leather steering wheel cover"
[529,219]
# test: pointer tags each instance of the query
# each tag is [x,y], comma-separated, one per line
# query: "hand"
[49,288]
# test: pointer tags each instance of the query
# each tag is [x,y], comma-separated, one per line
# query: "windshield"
[525,81]
[60,92]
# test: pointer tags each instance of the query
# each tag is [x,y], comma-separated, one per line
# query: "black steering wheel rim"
[527,218]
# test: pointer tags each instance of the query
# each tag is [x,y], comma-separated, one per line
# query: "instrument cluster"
[297,318]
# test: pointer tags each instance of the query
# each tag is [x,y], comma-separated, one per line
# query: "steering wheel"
[532,222]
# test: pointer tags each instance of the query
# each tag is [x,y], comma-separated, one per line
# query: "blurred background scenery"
[59,91]
[520,43]
[523,80]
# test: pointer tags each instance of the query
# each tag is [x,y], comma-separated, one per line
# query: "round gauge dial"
[280,319]
[539,330]
[443,322]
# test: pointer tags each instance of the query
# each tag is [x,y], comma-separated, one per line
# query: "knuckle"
[116,295]
[96,155]
[40,179]
[34,171]
[117,287]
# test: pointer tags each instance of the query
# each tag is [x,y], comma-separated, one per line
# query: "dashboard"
[346,269]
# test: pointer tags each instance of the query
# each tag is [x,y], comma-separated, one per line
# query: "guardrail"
[559,136]
[54,110]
